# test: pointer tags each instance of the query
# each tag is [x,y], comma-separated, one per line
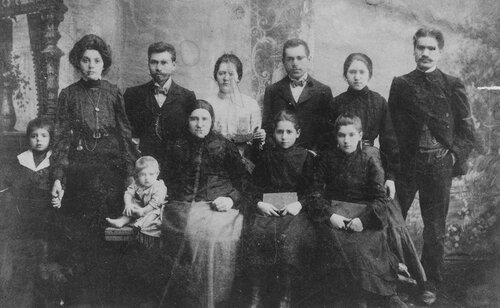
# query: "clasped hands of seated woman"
[270,210]
[222,204]
[344,223]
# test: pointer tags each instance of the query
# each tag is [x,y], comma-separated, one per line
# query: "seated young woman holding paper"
[349,210]
[280,234]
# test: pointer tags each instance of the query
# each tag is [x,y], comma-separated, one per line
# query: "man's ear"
[298,132]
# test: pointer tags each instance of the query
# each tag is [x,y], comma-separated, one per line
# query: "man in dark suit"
[434,128]
[157,109]
[301,93]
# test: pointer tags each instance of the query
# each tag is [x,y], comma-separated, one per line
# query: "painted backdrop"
[255,30]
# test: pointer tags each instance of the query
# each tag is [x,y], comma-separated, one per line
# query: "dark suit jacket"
[438,100]
[313,108]
[157,127]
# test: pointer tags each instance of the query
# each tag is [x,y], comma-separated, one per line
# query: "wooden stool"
[124,234]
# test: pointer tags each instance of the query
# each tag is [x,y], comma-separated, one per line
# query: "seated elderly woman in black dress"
[349,208]
[202,225]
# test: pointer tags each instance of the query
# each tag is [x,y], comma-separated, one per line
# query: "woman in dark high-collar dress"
[93,139]
[202,222]
[349,207]
[94,151]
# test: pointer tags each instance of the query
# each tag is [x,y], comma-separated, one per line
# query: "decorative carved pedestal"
[44,17]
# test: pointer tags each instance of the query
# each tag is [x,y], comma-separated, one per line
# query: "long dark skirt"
[401,244]
[201,245]
[354,261]
[32,271]
[285,242]
[94,191]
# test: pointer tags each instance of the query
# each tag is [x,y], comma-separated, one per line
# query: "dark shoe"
[429,293]
[428,297]
[396,302]
[256,301]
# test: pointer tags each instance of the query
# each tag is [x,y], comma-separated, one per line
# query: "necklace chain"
[96,134]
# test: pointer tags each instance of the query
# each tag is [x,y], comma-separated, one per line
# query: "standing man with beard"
[157,109]
[433,125]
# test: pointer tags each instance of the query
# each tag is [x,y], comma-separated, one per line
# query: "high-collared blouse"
[357,177]
[238,116]
[373,111]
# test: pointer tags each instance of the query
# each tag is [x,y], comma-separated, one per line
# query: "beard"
[160,78]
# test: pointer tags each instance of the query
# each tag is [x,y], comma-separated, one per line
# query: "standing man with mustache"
[434,129]
[301,93]
[157,109]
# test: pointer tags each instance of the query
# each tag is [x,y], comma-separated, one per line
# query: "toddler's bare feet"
[118,222]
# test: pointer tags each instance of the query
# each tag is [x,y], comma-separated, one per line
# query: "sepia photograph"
[250,153]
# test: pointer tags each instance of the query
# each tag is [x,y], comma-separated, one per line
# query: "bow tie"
[298,83]
[159,90]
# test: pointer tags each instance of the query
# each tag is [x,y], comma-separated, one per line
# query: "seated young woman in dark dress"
[349,208]
[281,235]
[202,224]
[373,111]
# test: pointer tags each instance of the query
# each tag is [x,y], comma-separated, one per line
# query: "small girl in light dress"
[143,199]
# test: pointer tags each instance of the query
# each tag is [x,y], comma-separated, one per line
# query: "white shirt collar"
[26,159]
[432,69]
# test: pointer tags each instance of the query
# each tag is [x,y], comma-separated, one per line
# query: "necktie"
[298,83]
[159,90]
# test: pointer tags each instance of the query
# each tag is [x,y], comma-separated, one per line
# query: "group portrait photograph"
[250,153]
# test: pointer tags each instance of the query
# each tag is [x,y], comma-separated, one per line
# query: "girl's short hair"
[229,58]
[358,57]
[40,123]
[347,119]
[90,42]
[145,162]
[287,115]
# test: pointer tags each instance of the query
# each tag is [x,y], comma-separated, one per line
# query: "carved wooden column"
[52,54]
[7,113]
[44,17]
[35,28]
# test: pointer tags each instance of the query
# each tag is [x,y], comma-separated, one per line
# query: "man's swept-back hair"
[160,47]
[295,43]
[432,32]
